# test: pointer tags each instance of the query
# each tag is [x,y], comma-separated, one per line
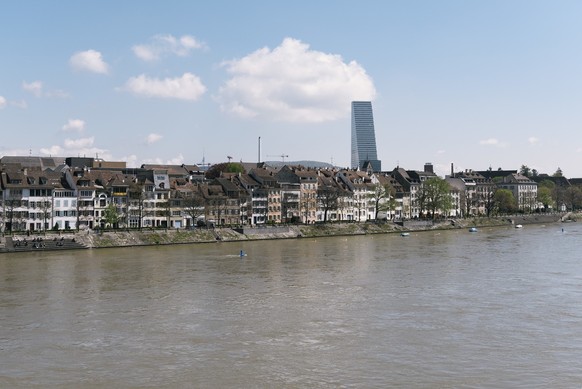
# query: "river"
[500,308]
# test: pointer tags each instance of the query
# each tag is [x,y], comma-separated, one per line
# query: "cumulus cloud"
[4,102]
[81,146]
[493,142]
[153,138]
[90,60]
[131,160]
[186,87]
[37,89]
[489,142]
[161,45]
[294,83]
[74,125]
[178,160]
[34,87]
[80,143]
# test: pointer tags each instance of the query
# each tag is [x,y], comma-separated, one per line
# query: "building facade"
[363,136]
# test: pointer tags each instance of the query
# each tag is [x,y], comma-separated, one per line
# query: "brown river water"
[500,308]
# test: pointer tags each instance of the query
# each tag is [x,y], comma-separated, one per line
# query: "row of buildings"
[75,193]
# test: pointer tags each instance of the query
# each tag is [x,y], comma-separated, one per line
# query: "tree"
[488,198]
[573,198]
[558,173]
[436,195]
[525,171]
[327,197]
[547,193]
[505,201]
[545,196]
[382,197]
[111,215]
[137,199]
[193,205]
[226,167]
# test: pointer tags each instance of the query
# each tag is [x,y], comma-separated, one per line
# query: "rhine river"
[500,308]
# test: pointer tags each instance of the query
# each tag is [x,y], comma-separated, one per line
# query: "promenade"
[93,239]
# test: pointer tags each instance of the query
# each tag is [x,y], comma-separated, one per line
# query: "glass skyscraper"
[363,136]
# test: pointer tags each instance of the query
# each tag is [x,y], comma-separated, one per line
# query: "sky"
[477,84]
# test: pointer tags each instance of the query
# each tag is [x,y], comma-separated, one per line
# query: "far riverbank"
[92,239]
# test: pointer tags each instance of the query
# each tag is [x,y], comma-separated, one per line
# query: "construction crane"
[282,156]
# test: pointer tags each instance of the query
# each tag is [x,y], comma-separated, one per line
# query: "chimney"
[452,171]
[428,168]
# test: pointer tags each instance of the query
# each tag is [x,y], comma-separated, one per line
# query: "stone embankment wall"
[128,238]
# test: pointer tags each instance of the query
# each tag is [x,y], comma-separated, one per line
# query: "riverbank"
[91,239]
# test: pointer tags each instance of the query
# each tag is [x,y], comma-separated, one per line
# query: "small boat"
[404,233]
[473,229]
[518,226]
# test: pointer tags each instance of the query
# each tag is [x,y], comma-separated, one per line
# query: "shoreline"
[90,239]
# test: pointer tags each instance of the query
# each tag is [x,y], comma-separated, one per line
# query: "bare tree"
[193,205]
[328,196]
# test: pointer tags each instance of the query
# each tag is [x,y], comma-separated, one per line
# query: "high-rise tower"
[363,136]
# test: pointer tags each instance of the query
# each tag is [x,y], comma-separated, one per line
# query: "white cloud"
[34,87]
[533,140]
[37,89]
[294,83]
[2,102]
[130,160]
[81,146]
[80,143]
[493,142]
[489,142]
[74,125]
[187,87]
[153,138]
[161,45]
[90,61]
[178,160]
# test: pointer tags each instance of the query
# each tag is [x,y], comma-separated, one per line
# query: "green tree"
[382,198]
[505,201]
[111,215]
[525,171]
[558,173]
[547,193]
[545,196]
[226,167]
[436,196]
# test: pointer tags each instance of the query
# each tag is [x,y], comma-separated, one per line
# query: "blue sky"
[475,83]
